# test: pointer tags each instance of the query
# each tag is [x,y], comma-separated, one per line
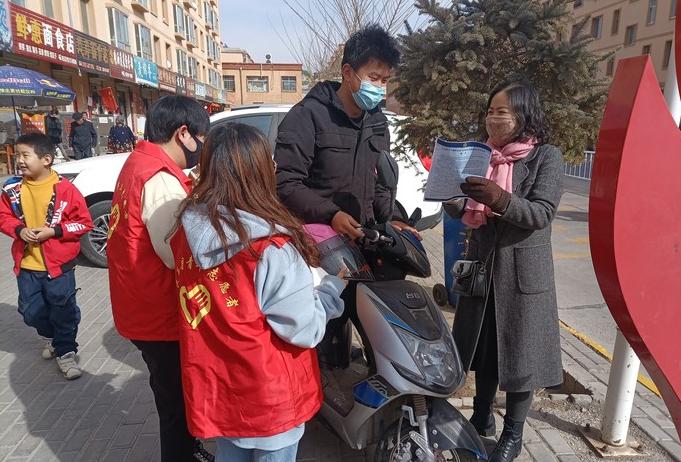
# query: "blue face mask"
[368,96]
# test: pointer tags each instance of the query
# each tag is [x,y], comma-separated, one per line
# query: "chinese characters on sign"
[93,54]
[167,80]
[122,65]
[181,84]
[191,87]
[146,72]
[200,90]
[39,37]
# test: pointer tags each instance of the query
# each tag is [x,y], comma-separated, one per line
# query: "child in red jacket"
[46,215]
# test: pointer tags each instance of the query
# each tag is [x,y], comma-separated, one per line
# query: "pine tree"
[449,67]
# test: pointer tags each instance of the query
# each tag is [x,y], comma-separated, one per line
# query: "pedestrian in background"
[46,216]
[54,127]
[510,213]
[83,136]
[121,138]
[148,192]
[242,257]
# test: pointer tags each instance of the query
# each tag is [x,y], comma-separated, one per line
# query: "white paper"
[452,163]
[103,120]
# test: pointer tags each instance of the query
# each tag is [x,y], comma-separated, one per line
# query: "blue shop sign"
[146,72]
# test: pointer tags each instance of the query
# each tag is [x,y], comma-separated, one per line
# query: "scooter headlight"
[438,363]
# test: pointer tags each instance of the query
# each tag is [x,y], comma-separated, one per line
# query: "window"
[289,84]
[667,54]
[193,68]
[646,50]
[610,67]
[48,10]
[258,84]
[229,83]
[672,10]
[178,16]
[214,78]
[615,22]
[190,29]
[652,12]
[164,10]
[19,2]
[154,7]
[573,32]
[182,66]
[118,29]
[144,3]
[84,16]
[597,27]
[143,42]
[578,3]
[260,122]
[630,35]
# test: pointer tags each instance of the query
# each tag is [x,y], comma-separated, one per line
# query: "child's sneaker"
[68,365]
[48,349]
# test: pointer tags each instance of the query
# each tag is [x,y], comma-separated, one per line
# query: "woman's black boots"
[482,418]
[510,443]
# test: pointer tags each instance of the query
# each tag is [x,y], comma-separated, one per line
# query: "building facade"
[248,82]
[630,28]
[119,56]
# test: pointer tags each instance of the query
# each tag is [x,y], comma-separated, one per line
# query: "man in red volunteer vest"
[149,190]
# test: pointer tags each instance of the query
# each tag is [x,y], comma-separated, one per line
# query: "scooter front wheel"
[388,450]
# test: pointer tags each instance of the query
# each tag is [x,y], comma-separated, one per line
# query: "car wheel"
[93,244]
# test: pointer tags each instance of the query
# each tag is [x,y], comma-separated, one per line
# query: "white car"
[96,177]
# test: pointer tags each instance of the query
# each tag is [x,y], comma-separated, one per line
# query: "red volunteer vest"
[143,294]
[239,378]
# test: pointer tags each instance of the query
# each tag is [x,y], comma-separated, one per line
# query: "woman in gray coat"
[510,337]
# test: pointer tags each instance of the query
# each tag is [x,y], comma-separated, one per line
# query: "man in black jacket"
[333,144]
[82,137]
[333,159]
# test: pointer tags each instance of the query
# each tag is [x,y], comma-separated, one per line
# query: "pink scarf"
[501,172]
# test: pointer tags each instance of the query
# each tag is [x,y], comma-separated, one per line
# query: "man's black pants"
[165,379]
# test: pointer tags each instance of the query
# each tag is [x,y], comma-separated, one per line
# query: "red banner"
[122,65]
[191,88]
[108,99]
[42,38]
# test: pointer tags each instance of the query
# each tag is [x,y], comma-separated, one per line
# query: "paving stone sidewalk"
[109,414]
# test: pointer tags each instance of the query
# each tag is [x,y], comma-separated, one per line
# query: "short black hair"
[371,42]
[171,112]
[40,143]
[526,106]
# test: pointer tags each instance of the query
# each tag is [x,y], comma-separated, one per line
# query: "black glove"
[487,192]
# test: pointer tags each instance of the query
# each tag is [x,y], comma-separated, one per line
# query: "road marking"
[571,255]
[579,240]
[602,351]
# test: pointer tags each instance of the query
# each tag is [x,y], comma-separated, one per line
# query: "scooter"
[394,395]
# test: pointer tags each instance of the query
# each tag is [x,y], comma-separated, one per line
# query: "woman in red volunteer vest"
[249,312]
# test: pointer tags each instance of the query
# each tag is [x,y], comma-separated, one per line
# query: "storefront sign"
[93,54]
[181,84]
[122,66]
[146,72]
[42,38]
[167,80]
[200,90]
[5,27]
[191,87]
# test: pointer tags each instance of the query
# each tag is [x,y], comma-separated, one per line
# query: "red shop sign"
[167,80]
[42,38]
[191,87]
[122,66]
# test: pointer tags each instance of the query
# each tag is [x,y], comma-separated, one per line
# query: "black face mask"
[192,157]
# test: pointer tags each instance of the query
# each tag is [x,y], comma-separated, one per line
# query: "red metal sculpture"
[635,222]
